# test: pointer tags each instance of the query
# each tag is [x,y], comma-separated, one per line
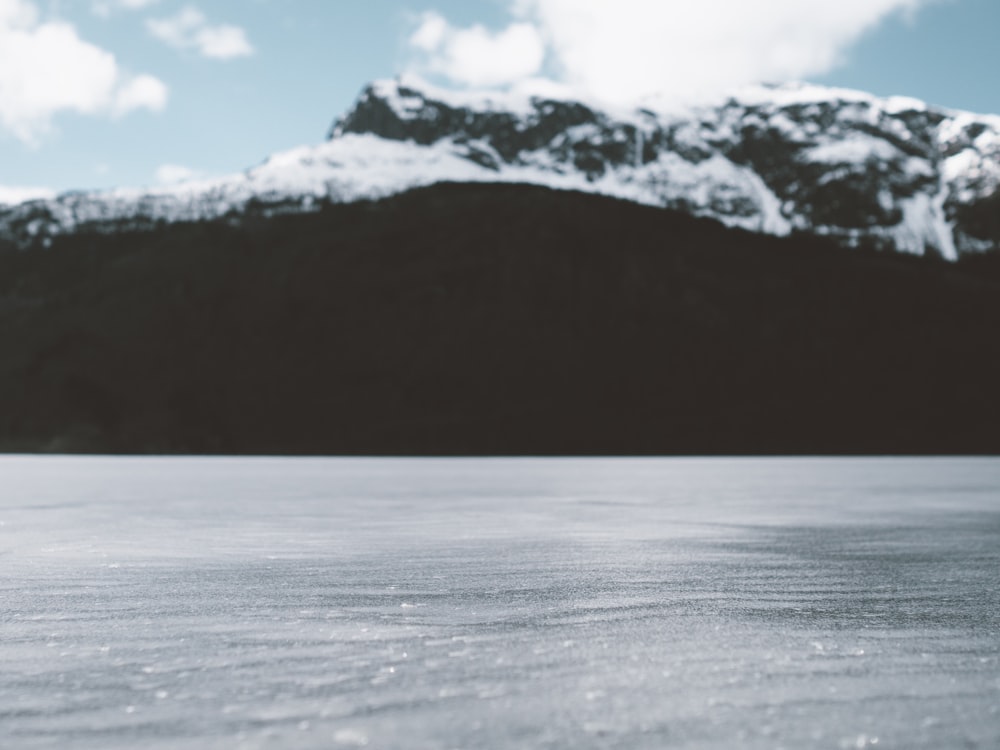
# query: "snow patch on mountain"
[11,196]
[893,172]
[856,148]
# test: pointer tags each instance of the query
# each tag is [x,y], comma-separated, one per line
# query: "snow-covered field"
[293,603]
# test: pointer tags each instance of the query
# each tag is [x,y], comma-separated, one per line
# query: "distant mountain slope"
[888,173]
[493,319]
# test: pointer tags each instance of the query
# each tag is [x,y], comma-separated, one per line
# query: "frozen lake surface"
[315,603]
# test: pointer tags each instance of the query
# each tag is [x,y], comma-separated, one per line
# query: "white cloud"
[46,68]
[224,42]
[105,8]
[17,14]
[190,29]
[477,56]
[140,91]
[622,50]
[172,174]
[432,33]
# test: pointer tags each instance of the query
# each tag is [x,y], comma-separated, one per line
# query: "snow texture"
[894,172]
[14,195]
[309,604]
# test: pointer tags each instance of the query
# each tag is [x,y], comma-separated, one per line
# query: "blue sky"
[214,86]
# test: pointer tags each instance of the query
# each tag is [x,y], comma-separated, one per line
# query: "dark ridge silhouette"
[492,319]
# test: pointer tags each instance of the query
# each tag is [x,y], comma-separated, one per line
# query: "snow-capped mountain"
[894,172]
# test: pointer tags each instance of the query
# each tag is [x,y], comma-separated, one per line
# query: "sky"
[103,93]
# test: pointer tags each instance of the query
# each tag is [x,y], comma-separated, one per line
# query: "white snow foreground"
[845,164]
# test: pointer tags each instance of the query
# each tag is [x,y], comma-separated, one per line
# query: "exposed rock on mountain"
[888,173]
[892,172]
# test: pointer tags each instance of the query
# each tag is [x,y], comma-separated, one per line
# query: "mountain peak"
[893,171]
[890,172]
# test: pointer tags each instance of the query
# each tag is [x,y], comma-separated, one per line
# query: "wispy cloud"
[626,49]
[105,8]
[190,29]
[46,68]
[173,174]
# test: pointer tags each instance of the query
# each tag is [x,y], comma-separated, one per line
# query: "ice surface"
[239,603]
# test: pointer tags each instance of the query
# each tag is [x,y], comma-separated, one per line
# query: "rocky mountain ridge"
[891,173]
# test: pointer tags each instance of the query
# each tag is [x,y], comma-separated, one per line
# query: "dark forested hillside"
[493,319]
